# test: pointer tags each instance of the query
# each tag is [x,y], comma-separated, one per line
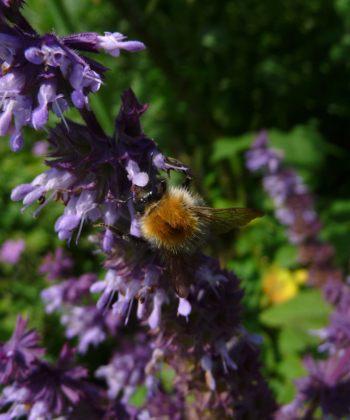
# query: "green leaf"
[291,368]
[286,256]
[294,339]
[226,147]
[167,378]
[304,148]
[308,309]
[139,396]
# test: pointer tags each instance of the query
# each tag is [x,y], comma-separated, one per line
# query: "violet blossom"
[86,323]
[70,291]
[78,180]
[58,386]
[40,148]
[211,339]
[327,386]
[57,266]
[126,371]
[18,354]
[11,250]
[35,66]
[294,209]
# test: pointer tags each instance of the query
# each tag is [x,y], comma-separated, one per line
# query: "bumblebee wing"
[182,271]
[223,220]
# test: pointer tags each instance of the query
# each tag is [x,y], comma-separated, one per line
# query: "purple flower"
[126,371]
[57,266]
[86,323]
[11,251]
[70,291]
[158,300]
[44,72]
[162,406]
[260,156]
[294,208]
[166,164]
[213,339]
[112,43]
[130,281]
[39,411]
[16,395]
[57,386]
[18,354]
[327,387]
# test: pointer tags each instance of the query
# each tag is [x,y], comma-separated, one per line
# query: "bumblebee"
[177,223]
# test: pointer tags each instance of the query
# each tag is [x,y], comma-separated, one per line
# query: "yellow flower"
[301,276]
[280,284]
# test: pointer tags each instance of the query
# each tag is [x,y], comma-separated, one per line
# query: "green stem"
[64,25]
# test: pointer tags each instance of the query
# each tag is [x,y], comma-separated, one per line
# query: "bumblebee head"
[149,194]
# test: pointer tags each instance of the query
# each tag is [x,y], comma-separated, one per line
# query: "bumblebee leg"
[134,240]
[116,200]
[187,181]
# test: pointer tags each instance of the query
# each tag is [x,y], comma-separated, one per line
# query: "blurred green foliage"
[213,72]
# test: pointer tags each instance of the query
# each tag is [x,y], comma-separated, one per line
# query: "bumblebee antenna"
[150,165]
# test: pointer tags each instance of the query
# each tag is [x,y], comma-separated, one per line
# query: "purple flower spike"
[294,208]
[98,170]
[112,43]
[38,68]
[70,291]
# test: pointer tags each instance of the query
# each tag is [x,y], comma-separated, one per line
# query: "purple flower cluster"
[40,390]
[88,322]
[126,371]
[213,356]
[294,208]
[215,360]
[42,73]
[90,169]
[34,387]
